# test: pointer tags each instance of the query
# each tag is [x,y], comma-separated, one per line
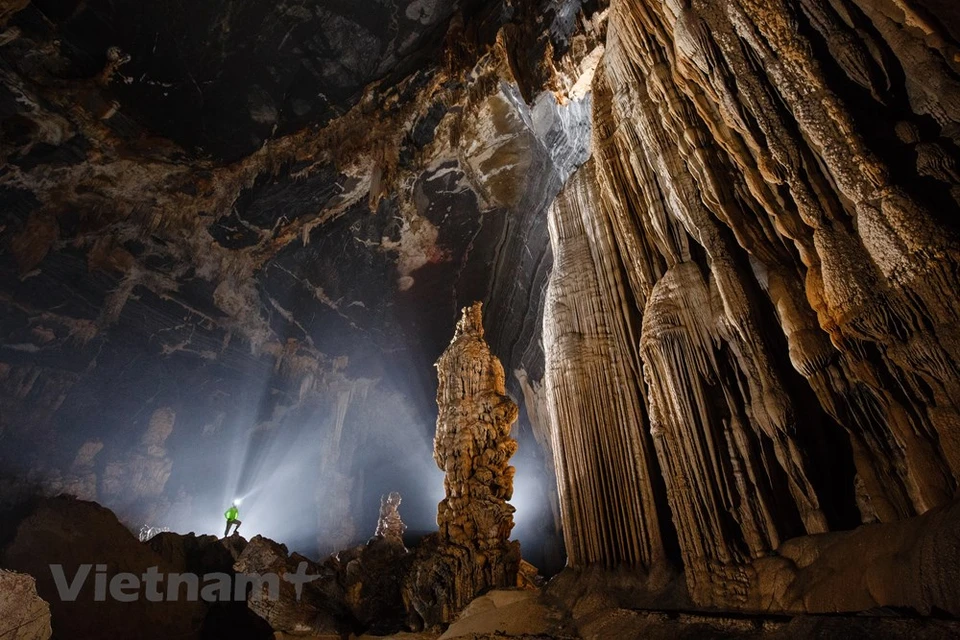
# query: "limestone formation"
[912,563]
[336,528]
[73,533]
[389,524]
[24,615]
[144,473]
[604,459]
[136,480]
[310,607]
[372,576]
[81,478]
[472,552]
[717,243]
[473,444]
[763,251]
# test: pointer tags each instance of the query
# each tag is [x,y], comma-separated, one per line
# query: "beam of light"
[268,458]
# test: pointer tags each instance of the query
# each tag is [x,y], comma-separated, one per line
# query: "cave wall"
[270,239]
[763,253]
[605,472]
[715,242]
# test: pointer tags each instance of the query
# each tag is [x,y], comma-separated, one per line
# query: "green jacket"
[231,513]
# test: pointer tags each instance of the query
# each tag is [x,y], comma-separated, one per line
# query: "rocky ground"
[358,594]
[515,614]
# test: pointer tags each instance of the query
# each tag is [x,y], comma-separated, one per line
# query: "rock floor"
[522,615]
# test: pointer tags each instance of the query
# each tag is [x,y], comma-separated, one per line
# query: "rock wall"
[763,254]
[239,229]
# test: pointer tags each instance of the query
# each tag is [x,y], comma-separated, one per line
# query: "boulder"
[63,533]
[203,555]
[314,607]
[513,612]
[24,615]
[913,563]
[372,575]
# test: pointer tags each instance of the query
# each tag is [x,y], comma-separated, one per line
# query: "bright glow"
[298,479]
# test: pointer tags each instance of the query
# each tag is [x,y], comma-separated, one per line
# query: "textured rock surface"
[472,552]
[144,472]
[605,471]
[24,614]
[203,555]
[746,289]
[267,235]
[473,446]
[390,525]
[911,564]
[312,608]
[372,576]
[592,603]
[512,613]
[763,256]
[640,625]
[71,533]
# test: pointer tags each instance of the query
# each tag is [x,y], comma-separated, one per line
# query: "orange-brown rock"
[763,253]
[472,552]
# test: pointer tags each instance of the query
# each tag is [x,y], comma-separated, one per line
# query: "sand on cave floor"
[510,613]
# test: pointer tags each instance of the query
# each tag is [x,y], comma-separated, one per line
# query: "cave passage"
[553,319]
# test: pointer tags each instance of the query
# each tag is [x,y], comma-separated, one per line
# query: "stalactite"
[601,450]
[777,275]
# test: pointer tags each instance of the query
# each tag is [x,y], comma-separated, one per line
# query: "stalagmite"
[472,552]
[389,525]
[717,241]
[473,444]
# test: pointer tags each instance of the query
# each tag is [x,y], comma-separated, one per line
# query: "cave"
[535,319]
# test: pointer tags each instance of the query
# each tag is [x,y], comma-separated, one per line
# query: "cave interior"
[540,318]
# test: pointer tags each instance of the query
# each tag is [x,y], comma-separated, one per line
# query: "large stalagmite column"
[473,444]
[472,552]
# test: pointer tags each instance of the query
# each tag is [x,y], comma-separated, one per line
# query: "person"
[231,516]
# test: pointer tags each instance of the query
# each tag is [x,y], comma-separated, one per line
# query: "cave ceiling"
[219,78]
[237,210]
